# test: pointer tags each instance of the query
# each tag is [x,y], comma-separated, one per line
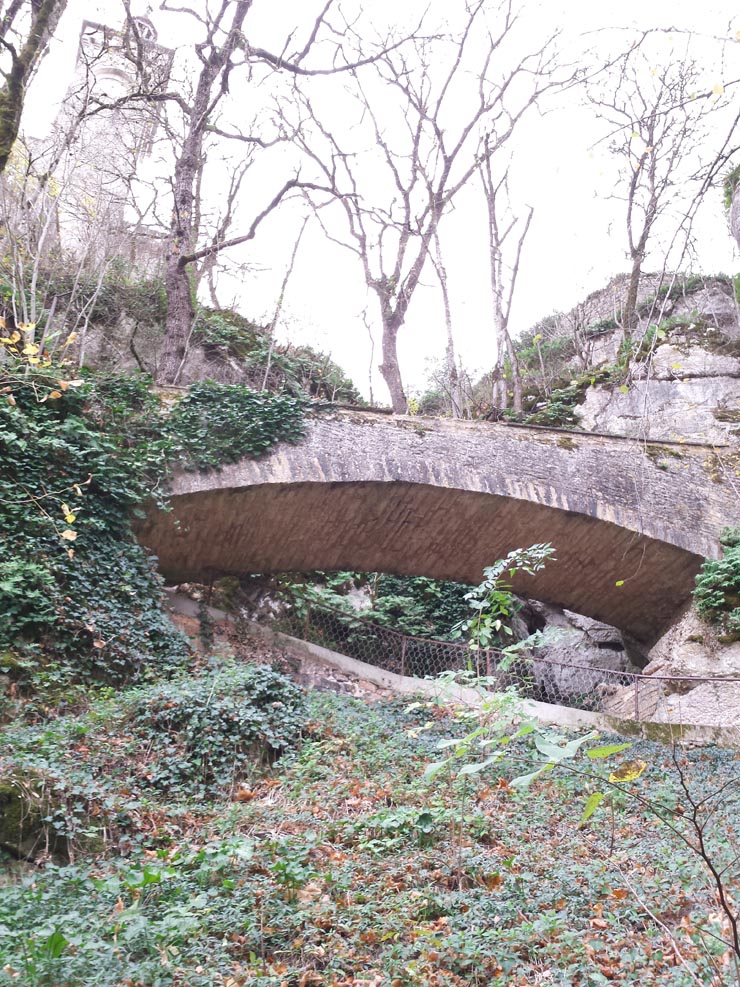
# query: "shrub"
[207,733]
[717,593]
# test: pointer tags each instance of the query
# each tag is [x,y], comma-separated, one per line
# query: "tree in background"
[414,145]
[657,114]
[26,27]
[225,53]
[506,236]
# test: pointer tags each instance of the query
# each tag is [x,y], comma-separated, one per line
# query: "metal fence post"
[637,698]
[403,655]
[307,621]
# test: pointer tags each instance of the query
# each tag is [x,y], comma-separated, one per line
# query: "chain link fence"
[627,695]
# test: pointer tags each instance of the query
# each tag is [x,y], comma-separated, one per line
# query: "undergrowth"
[79,461]
[341,866]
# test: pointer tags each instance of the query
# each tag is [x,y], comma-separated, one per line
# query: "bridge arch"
[630,521]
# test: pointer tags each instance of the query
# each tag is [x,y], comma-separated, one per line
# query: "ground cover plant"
[341,863]
[81,454]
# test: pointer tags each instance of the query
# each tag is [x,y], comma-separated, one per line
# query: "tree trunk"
[390,369]
[180,309]
[178,285]
[516,375]
[13,91]
[178,321]
[452,376]
[735,213]
[630,302]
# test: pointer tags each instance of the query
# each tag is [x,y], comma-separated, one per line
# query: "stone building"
[104,133]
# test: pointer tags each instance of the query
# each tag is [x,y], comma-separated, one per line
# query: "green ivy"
[81,600]
[215,424]
[717,593]
[209,732]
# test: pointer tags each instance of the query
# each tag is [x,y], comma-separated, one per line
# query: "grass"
[339,865]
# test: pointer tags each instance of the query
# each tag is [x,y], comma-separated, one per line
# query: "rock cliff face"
[684,384]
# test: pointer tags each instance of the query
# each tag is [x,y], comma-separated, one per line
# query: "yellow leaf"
[737,35]
[70,339]
[7,340]
[70,518]
[34,361]
[11,399]
[27,326]
[65,508]
[628,771]
[15,336]
[97,643]
[30,349]
[54,395]
[2,321]
[69,535]
[718,89]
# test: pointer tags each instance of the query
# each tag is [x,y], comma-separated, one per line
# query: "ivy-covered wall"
[79,458]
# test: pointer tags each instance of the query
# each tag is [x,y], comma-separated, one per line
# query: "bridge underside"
[415,529]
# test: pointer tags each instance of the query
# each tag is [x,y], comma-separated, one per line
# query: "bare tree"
[26,27]
[422,111]
[657,128]
[55,282]
[452,382]
[506,236]
[223,52]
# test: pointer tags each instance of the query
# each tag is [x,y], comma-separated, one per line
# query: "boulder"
[690,649]
[579,655]
[717,305]
[25,832]
[675,361]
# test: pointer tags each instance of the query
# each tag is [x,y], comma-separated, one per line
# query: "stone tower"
[108,123]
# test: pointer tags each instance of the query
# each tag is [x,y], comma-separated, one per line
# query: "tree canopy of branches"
[657,126]
[224,52]
[414,145]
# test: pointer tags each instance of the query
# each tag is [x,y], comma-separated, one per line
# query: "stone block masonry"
[630,521]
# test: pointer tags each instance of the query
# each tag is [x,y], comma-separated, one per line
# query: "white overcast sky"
[576,242]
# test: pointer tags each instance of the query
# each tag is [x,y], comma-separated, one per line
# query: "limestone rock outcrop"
[685,383]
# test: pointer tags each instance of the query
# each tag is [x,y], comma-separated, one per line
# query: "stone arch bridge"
[631,521]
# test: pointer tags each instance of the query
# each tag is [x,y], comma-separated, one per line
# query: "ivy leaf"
[432,770]
[629,771]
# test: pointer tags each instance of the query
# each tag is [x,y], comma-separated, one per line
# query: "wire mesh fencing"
[620,693]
